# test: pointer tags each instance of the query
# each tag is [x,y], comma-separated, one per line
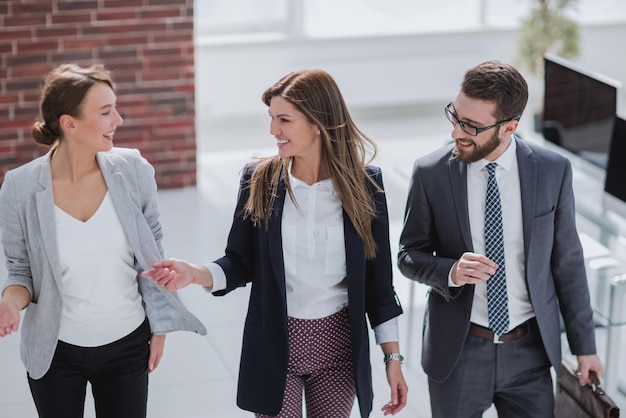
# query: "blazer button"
[466,314]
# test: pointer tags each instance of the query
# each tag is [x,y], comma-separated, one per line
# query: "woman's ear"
[67,124]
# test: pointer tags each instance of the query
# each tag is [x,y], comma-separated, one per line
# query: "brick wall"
[147,45]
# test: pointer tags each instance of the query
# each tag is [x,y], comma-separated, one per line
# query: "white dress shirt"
[507,177]
[314,256]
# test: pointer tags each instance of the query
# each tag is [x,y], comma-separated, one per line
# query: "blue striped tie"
[497,304]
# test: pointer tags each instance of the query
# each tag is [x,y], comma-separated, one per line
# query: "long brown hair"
[345,149]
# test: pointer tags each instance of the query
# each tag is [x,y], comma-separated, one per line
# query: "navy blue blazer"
[437,232]
[254,254]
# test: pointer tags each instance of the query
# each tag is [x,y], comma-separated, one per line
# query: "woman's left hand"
[157,344]
[398,387]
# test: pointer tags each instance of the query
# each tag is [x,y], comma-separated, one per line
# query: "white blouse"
[314,256]
[101,300]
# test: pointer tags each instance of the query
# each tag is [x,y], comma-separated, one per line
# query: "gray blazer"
[30,245]
[437,232]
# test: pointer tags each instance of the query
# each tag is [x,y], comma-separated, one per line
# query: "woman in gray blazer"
[82,204]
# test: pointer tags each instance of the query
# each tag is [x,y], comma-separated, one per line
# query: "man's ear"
[511,126]
[67,124]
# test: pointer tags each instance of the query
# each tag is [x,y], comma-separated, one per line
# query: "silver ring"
[578,374]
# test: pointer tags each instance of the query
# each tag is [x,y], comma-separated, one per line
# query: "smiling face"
[489,144]
[295,135]
[94,128]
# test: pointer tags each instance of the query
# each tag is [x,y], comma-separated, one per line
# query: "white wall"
[376,71]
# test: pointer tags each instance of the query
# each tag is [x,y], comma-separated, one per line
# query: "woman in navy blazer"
[85,203]
[311,233]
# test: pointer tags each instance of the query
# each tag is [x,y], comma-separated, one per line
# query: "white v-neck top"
[101,300]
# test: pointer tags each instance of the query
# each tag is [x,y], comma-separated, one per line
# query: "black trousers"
[118,373]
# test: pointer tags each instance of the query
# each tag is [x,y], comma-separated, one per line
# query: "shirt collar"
[295,183]
[505,160]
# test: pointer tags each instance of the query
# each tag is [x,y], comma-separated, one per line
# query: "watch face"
[393,356]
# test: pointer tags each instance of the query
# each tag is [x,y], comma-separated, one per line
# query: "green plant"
[547,29]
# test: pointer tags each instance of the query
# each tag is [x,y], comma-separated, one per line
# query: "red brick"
[22,84]
[178,38]
[73,17]
[37,46]
[83,43]
[97,29]
[15,34]
[186,25]
[22,122]
[83,56]
[12,98]
[111,4]
[14,60]
[6,48]
[157,52]
[57,32]
[69,5]
[147,44]
[160,13]
[39,7]
[32,96]
[7,135]
[119,54]
[115,15]
[30,70]
[27,112]
[160,2]
[129,39]
[25,20]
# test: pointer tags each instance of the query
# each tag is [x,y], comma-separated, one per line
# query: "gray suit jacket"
[30,245]
[437,232]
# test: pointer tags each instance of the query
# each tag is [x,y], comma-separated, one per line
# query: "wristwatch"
[393,356]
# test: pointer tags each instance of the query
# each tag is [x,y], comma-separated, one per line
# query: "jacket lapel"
[527,166]
[458,181]
[45,212]
[274,235]
[122,201]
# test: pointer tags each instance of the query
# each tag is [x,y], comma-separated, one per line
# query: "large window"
[347,18]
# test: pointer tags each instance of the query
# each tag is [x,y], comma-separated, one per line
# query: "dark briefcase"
[575,401]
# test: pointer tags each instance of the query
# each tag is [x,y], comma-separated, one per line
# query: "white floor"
[198,375]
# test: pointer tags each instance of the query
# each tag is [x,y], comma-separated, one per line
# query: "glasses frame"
[454,119]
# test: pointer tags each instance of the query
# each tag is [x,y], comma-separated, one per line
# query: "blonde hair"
[344,148]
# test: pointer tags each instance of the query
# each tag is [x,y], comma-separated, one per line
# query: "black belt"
[515,334]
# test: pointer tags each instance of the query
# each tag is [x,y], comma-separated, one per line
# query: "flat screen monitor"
[579,109]
[615,181]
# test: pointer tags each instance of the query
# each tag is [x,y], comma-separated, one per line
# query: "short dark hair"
[499,83]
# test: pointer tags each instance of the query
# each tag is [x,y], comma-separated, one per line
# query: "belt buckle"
[496,339]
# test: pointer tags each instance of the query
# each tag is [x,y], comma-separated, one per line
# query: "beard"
[479,151]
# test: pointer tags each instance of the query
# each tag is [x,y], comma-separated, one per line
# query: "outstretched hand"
[172,274]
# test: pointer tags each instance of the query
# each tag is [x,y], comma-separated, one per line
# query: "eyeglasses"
[470,129]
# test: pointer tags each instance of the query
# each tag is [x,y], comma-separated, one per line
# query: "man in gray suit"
[498,279]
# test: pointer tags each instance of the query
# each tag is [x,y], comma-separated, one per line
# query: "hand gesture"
[172,274]
[472,268]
